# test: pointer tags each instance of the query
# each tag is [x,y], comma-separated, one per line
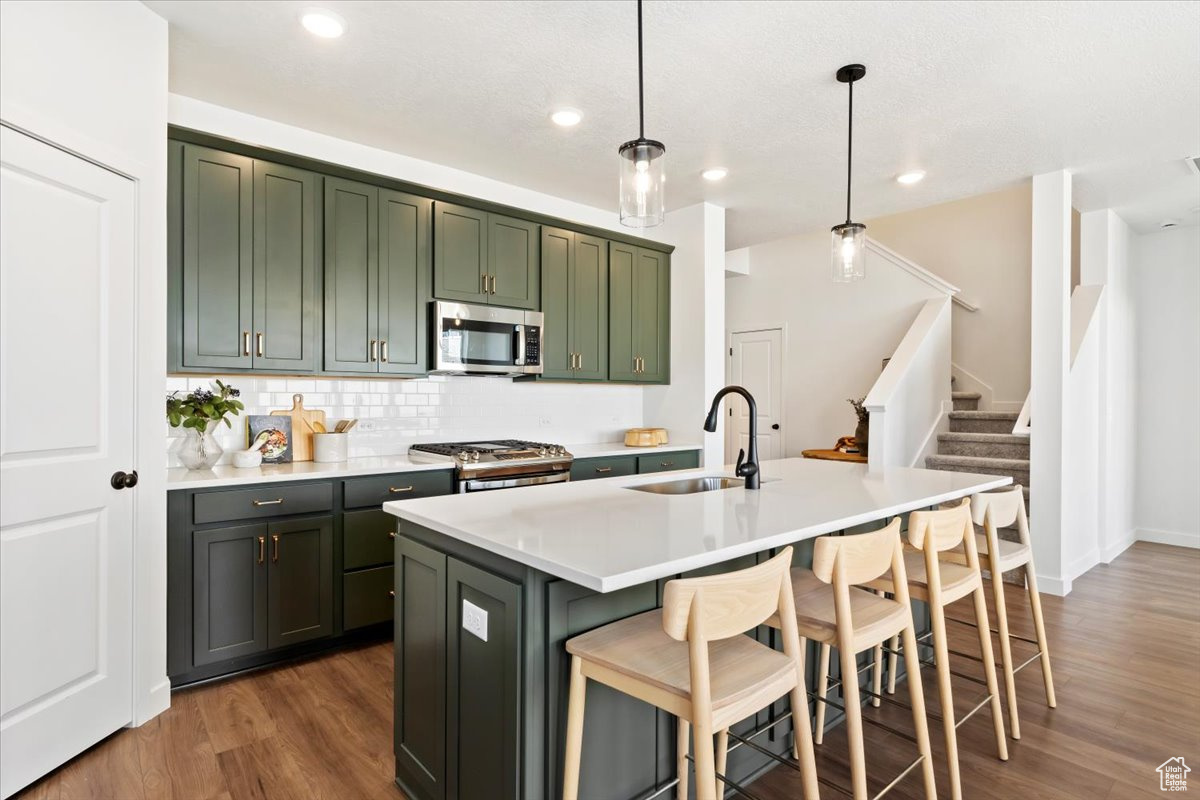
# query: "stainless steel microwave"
[485,340]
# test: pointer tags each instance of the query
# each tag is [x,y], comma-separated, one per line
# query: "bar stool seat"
[1009,555]
[637,646]
[875,618]
[957,580]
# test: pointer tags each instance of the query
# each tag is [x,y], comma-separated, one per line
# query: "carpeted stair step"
[965,401]
[984,445]
[982,422]
[1017,469]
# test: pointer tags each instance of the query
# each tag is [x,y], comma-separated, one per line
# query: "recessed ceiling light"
[323,23]
[566,117]
[714,173]
[909,178]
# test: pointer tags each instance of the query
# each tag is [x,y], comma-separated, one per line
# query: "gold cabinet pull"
[603,470]
[383,349]
[374,356]
[276,502]
[275,548]
[258,337]
[391,592]
[245,343]
[399,489]
[391,534]
[666,463]
[262,549]
[484,278]
[579,361]
[493,284]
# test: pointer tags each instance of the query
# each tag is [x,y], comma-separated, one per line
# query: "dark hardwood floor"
[1125,645]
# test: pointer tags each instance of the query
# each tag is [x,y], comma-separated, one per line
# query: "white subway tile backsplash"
[396,413]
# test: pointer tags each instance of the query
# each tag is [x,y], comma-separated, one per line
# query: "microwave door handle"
[519,345]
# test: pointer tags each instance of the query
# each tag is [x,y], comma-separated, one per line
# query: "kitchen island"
[490,586]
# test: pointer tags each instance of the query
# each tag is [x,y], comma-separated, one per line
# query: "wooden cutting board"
[304,424]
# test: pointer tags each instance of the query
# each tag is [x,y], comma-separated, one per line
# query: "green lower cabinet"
[367,538]
[583,469]
[229,593]
[665,462]
[368,597]
[300,581]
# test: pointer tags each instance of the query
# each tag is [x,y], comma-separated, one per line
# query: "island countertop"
[604,536]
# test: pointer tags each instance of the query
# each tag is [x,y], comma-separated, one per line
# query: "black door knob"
[775,427]
[124,480]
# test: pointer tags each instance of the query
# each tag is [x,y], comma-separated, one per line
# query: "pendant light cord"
[849,148]
[641,94]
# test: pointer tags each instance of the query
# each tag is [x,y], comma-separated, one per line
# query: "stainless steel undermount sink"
[689,486]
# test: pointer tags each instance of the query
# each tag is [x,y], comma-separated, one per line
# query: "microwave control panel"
[533,345]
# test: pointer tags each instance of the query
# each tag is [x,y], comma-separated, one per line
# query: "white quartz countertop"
[604,536]
[229,475]
[605,449]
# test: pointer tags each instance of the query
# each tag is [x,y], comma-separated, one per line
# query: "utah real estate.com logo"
[1172,775]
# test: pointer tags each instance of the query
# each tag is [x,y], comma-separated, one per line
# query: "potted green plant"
[862,430]
[198,413]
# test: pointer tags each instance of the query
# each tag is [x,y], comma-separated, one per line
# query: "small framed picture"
[271,436]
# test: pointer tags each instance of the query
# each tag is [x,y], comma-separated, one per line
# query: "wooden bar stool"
[832,610]
[691,660]
[939,583]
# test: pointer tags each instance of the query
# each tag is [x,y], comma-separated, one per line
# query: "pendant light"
[848,259]
[641,160]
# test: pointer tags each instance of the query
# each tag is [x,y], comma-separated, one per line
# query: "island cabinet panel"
[483,685]
[420,673]
[300,581]
[217,260]
[229,593]
[665,462]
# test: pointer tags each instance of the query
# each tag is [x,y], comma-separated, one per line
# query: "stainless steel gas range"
[498,463]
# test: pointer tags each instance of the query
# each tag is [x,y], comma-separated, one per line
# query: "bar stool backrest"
[944,529]
[863,557]
[1000,510]
[720,606]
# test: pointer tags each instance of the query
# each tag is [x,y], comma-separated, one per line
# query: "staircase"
[983,442]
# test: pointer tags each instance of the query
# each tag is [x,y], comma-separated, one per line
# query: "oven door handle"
[484,485]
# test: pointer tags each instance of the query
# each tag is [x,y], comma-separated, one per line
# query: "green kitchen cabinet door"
[284,268]
[460,253]
[652,316]
[589,308]
[513,263]
[229,593]
[351,341]
[404,262]
[622,289]
[218,270]
[299,580]
[558,260]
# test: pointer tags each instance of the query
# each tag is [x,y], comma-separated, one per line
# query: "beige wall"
[982,245]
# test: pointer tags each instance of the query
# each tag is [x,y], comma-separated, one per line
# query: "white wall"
[1082,436]
[92,77]
[836,334]
[1166,267]
[980,244]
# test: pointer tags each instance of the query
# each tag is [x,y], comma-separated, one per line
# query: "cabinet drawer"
[367,538]
[614,467]
[275,500]
[378,489]
[664,462]
[367,597]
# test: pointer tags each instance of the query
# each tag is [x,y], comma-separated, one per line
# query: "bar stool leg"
[877,671]
[1006,660]
[682,732]
[989,671]
[912,662]
[822,692]
[574,745]
[722,759]
[706,781]
[894,662]
[937,618]
[1035,604]
[802,742]
[854,733]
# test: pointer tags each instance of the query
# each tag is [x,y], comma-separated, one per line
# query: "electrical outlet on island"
[474,619]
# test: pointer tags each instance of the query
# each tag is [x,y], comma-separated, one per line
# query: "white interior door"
[756,362]
[67,261]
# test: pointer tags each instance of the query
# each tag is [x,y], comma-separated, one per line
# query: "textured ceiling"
[978,94]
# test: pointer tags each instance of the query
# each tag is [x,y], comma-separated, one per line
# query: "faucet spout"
[747,469]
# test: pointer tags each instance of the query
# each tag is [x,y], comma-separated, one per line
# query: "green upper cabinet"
[639,314]
[217,261]
[575,303]
[284,267]
[376,268]
[485,258]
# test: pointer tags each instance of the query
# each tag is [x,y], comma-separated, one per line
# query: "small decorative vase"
[200,448]
[860,437]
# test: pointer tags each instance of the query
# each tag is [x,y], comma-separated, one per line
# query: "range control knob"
[543,452]
[463,456]
[475,456]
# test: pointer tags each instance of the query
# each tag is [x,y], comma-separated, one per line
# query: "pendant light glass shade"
[643,179]
[848,258]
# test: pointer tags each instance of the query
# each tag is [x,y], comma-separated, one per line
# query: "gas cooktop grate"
[497,446]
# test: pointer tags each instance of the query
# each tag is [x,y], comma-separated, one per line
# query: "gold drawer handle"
[399,489]
[391,592]
[262,549]
[276,502]
[666,463]
[603,469]
[391,534]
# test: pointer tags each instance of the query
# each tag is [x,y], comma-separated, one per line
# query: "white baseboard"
[1116,548]
[1059,587]
[1177,538]
[1081,565]
[155,702]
